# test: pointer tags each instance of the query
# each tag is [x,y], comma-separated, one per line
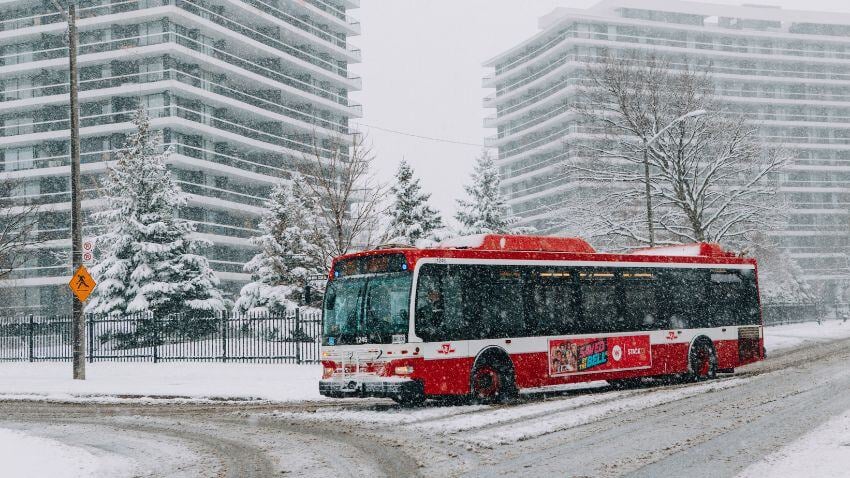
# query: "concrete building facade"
[239,89]
[787,71]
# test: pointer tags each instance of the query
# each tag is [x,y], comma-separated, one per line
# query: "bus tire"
[410,397]
[625,383]
[492,379]
[702,360]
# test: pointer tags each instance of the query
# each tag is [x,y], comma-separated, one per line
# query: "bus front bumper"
[381,387]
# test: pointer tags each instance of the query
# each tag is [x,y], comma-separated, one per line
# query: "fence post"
[155,337]
[223,337]
[297,335]
[90,323]
[29,339]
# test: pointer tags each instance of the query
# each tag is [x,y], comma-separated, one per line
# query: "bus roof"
[526,247]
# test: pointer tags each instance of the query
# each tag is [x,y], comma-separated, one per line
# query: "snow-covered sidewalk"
[23,456]
[121,381]
[117,381]
[780,337]
[824,453]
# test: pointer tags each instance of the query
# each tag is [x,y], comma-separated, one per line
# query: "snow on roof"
[684,251]
[471,242]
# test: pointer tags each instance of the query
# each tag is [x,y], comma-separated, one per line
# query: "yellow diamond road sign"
[82,284]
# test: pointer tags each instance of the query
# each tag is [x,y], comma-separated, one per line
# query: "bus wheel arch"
[493,376]
[702,359]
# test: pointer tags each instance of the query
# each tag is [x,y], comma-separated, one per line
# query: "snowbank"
[825,453]
[26,456]
[116,381]
[780,337]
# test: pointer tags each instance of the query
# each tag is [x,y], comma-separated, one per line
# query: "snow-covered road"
[761,420]
[23,456]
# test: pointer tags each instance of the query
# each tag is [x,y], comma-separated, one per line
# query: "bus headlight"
[406,370]
[328,372]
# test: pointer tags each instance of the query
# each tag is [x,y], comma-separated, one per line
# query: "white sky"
[422,74]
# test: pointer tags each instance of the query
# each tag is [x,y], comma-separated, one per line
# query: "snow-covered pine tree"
[289,251]
[485,211]
[411,217]
[149,262]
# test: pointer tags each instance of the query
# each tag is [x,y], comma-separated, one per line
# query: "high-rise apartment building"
[239,89]
[787,71]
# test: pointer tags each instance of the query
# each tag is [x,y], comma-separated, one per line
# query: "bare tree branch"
[711,179]
[18,227]
[339,173]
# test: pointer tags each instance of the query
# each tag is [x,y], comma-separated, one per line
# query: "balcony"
[297,144]
[173,36]
[119,7]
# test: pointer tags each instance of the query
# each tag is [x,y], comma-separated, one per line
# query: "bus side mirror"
[330,300]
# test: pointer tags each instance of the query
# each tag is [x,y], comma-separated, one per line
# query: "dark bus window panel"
[599,301]
[682,298]
[499,290]
[639,303]
[439,303]
[551,308]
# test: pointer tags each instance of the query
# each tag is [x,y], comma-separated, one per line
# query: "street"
[708,429]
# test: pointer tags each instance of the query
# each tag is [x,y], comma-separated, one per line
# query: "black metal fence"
[778,314]
[287,338]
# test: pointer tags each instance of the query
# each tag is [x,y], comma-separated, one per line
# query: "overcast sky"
[422,75]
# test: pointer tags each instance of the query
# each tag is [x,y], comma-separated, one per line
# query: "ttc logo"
[445,349]
[672,335]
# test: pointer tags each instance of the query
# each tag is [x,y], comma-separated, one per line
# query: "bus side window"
[550,308]
[683,298]
[638,300]
[732,294]
[499,295]
[430,304]
[599,300]
[750,314]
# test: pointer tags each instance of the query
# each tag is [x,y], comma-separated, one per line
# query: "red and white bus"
[485,316]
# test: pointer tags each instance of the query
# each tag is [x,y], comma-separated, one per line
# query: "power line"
[429,138]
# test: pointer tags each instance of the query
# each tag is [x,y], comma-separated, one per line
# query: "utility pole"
[76,214]
[78,325]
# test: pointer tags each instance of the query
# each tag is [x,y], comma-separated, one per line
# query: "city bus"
[487,316]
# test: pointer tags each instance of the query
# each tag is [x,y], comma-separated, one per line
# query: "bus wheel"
[487,383]
[492,383]
[702,361]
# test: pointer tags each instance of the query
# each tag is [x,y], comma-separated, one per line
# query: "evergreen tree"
[411,218]
[485,211]
[149,262]
[289,251]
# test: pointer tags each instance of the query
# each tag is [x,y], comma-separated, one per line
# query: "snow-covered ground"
[825,453]
[115,381]
[23,456]
[780,337]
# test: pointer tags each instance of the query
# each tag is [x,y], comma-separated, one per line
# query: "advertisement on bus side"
[604,354]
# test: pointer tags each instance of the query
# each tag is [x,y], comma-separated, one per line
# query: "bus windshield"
[367,309]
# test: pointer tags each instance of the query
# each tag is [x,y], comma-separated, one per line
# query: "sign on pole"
[88,252]
[82,284]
